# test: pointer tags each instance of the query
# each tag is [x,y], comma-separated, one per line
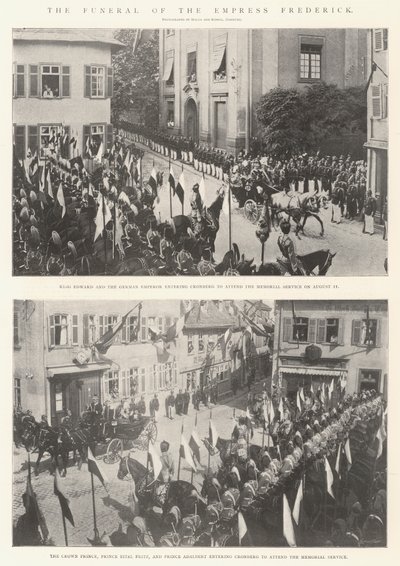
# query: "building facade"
[62,89]
[212,79]
[377,143]
[317,341]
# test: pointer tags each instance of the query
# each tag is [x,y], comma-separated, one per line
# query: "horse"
[320,260]
[298,206]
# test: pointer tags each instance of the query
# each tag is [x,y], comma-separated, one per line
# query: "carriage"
[137,433]
[247,194]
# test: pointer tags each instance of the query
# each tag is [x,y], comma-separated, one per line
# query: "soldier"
[286,246]
[369,212]
[167,461]
[169,403]
[141,406]
[186,401]
[179,403]
[205,266]
[196,203]
[154,407]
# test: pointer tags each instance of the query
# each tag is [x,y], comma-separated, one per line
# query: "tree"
[292,121]
[136,76]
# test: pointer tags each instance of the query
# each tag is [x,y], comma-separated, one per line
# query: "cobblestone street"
[365,253]
[113,507]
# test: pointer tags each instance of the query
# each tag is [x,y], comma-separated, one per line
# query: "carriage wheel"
[250,210]
[148,434]
[114,451]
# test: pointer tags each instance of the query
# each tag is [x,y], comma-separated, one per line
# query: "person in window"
[286,246]
[47,92]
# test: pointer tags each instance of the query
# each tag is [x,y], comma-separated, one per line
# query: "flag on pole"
[180,188]
[194,444]
[288,530]
[95,469]
[127,160]
[49,188]
[347,451]
[103,217]
[61,199]
[153,180]
[88,148]
[298,402]
[185,453]
[202,190]
[380,435]
[226,205]
[99,155]
[33,511]
[136,174]
[338,456]
[242,528]
[155,461]
[171,179]
[64,503]
[331,387]
[302,394]
[271,411]
[297,502]
[213,434]
[281,407]
[107,340]
[329,478]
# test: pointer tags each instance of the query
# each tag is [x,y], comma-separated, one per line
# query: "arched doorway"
[191,120]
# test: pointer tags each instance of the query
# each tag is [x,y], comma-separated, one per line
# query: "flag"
[347,451]
[136,174]
[242,528]
[226,204]
[119,232]
[153,180]
[107,340]
[61,199]
[298,402]
[271,411]
[155,461]
[331,387]
[127,161]
[49,188]
[33,511]
[103,216]
[88,148]
[64,503]
[171,179]
[288,530]
[281,408]
[194,444]
[174,330]
[329,478]
[297,502]
[380,435]
[338,456]
[185,453]
[202,190]
[99,155]
[225,342]
[180,188]
[94,468]
[213,434]
[302,394]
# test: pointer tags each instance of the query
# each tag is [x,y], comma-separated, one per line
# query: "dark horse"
[320,260]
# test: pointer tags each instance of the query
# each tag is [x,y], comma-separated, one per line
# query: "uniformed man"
[287,249]
[167,461]
[196,203]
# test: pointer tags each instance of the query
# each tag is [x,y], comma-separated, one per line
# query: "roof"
[68,35]
[209,315]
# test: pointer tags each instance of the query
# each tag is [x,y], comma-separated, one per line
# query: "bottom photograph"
[254,423]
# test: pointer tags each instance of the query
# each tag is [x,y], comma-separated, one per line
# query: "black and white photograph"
[226,151]
[200,423]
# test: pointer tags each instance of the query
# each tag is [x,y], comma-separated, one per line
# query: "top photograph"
[208,152]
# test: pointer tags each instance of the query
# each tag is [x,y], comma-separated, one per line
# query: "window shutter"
[312,330]
[378,341]
[109,136]
[33,80]
[86,330]
[75,337]
[88,81]
[124,331]
[69,329]
[287,329]
[341,332]
[376,92]
[110,82]
[20,80]
[321,330]
[356,332]
[65,147]
[378,39]
[33,138]
[19,140]
[52,334]
[86,137]
[65,82]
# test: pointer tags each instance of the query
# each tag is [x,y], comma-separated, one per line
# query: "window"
[376,94]
[75,339]
[19,81]
[190,346]
[300,329]
[106,323]
[19,141]
[385,101]
[143,380]
[133,381]
[111,384]
[54,81]
[98,81]
[17,392]
[201,343]
[49,137]
[170,113]
[366,332]
[218,62]
[58,330]
[94,135]
[380,39]
[89,329]
[58,395]
[310,62]
[130,330]
[16,329]
[332,330]
[192,67]
[168,76]
[144,329]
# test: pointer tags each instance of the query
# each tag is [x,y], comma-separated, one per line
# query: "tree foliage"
[294,121]
[136,76]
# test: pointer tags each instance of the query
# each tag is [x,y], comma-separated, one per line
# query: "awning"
[218,53]
[75,369]
[321,372]
[169,66]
